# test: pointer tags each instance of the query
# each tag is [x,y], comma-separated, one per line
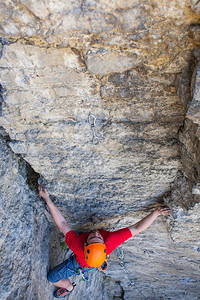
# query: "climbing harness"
[81,272]
[132,283]
[92,122]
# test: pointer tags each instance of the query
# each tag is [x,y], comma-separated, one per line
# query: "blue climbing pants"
[68,268]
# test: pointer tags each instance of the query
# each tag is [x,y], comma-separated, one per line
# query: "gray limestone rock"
[100,100]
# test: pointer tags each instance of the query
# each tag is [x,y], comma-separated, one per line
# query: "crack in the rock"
[108,282]
[29,174]
[24,168]
[2,91]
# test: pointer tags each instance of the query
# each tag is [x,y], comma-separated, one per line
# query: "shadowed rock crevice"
[24,168]
[29,174]
[190,152]
[4,136]
[190,138]
[184,82]
[1,98]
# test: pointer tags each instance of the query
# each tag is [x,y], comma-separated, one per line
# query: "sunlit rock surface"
[100,99]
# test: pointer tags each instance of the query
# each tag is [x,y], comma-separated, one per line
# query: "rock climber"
[90,249]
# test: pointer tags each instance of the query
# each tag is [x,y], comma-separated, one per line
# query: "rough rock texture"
[100,99]
[24,231]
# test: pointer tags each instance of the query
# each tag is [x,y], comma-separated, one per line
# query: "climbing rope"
[121,257]
[92,122]
[132,283]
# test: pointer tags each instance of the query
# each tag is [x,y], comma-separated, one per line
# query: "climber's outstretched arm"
[56,214]
[143,224]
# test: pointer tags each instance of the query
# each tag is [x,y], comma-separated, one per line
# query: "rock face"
[100,100]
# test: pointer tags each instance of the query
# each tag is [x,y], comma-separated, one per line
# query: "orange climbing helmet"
[95,254]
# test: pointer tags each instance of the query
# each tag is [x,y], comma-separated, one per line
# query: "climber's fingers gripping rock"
[164,210]
[43,191]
